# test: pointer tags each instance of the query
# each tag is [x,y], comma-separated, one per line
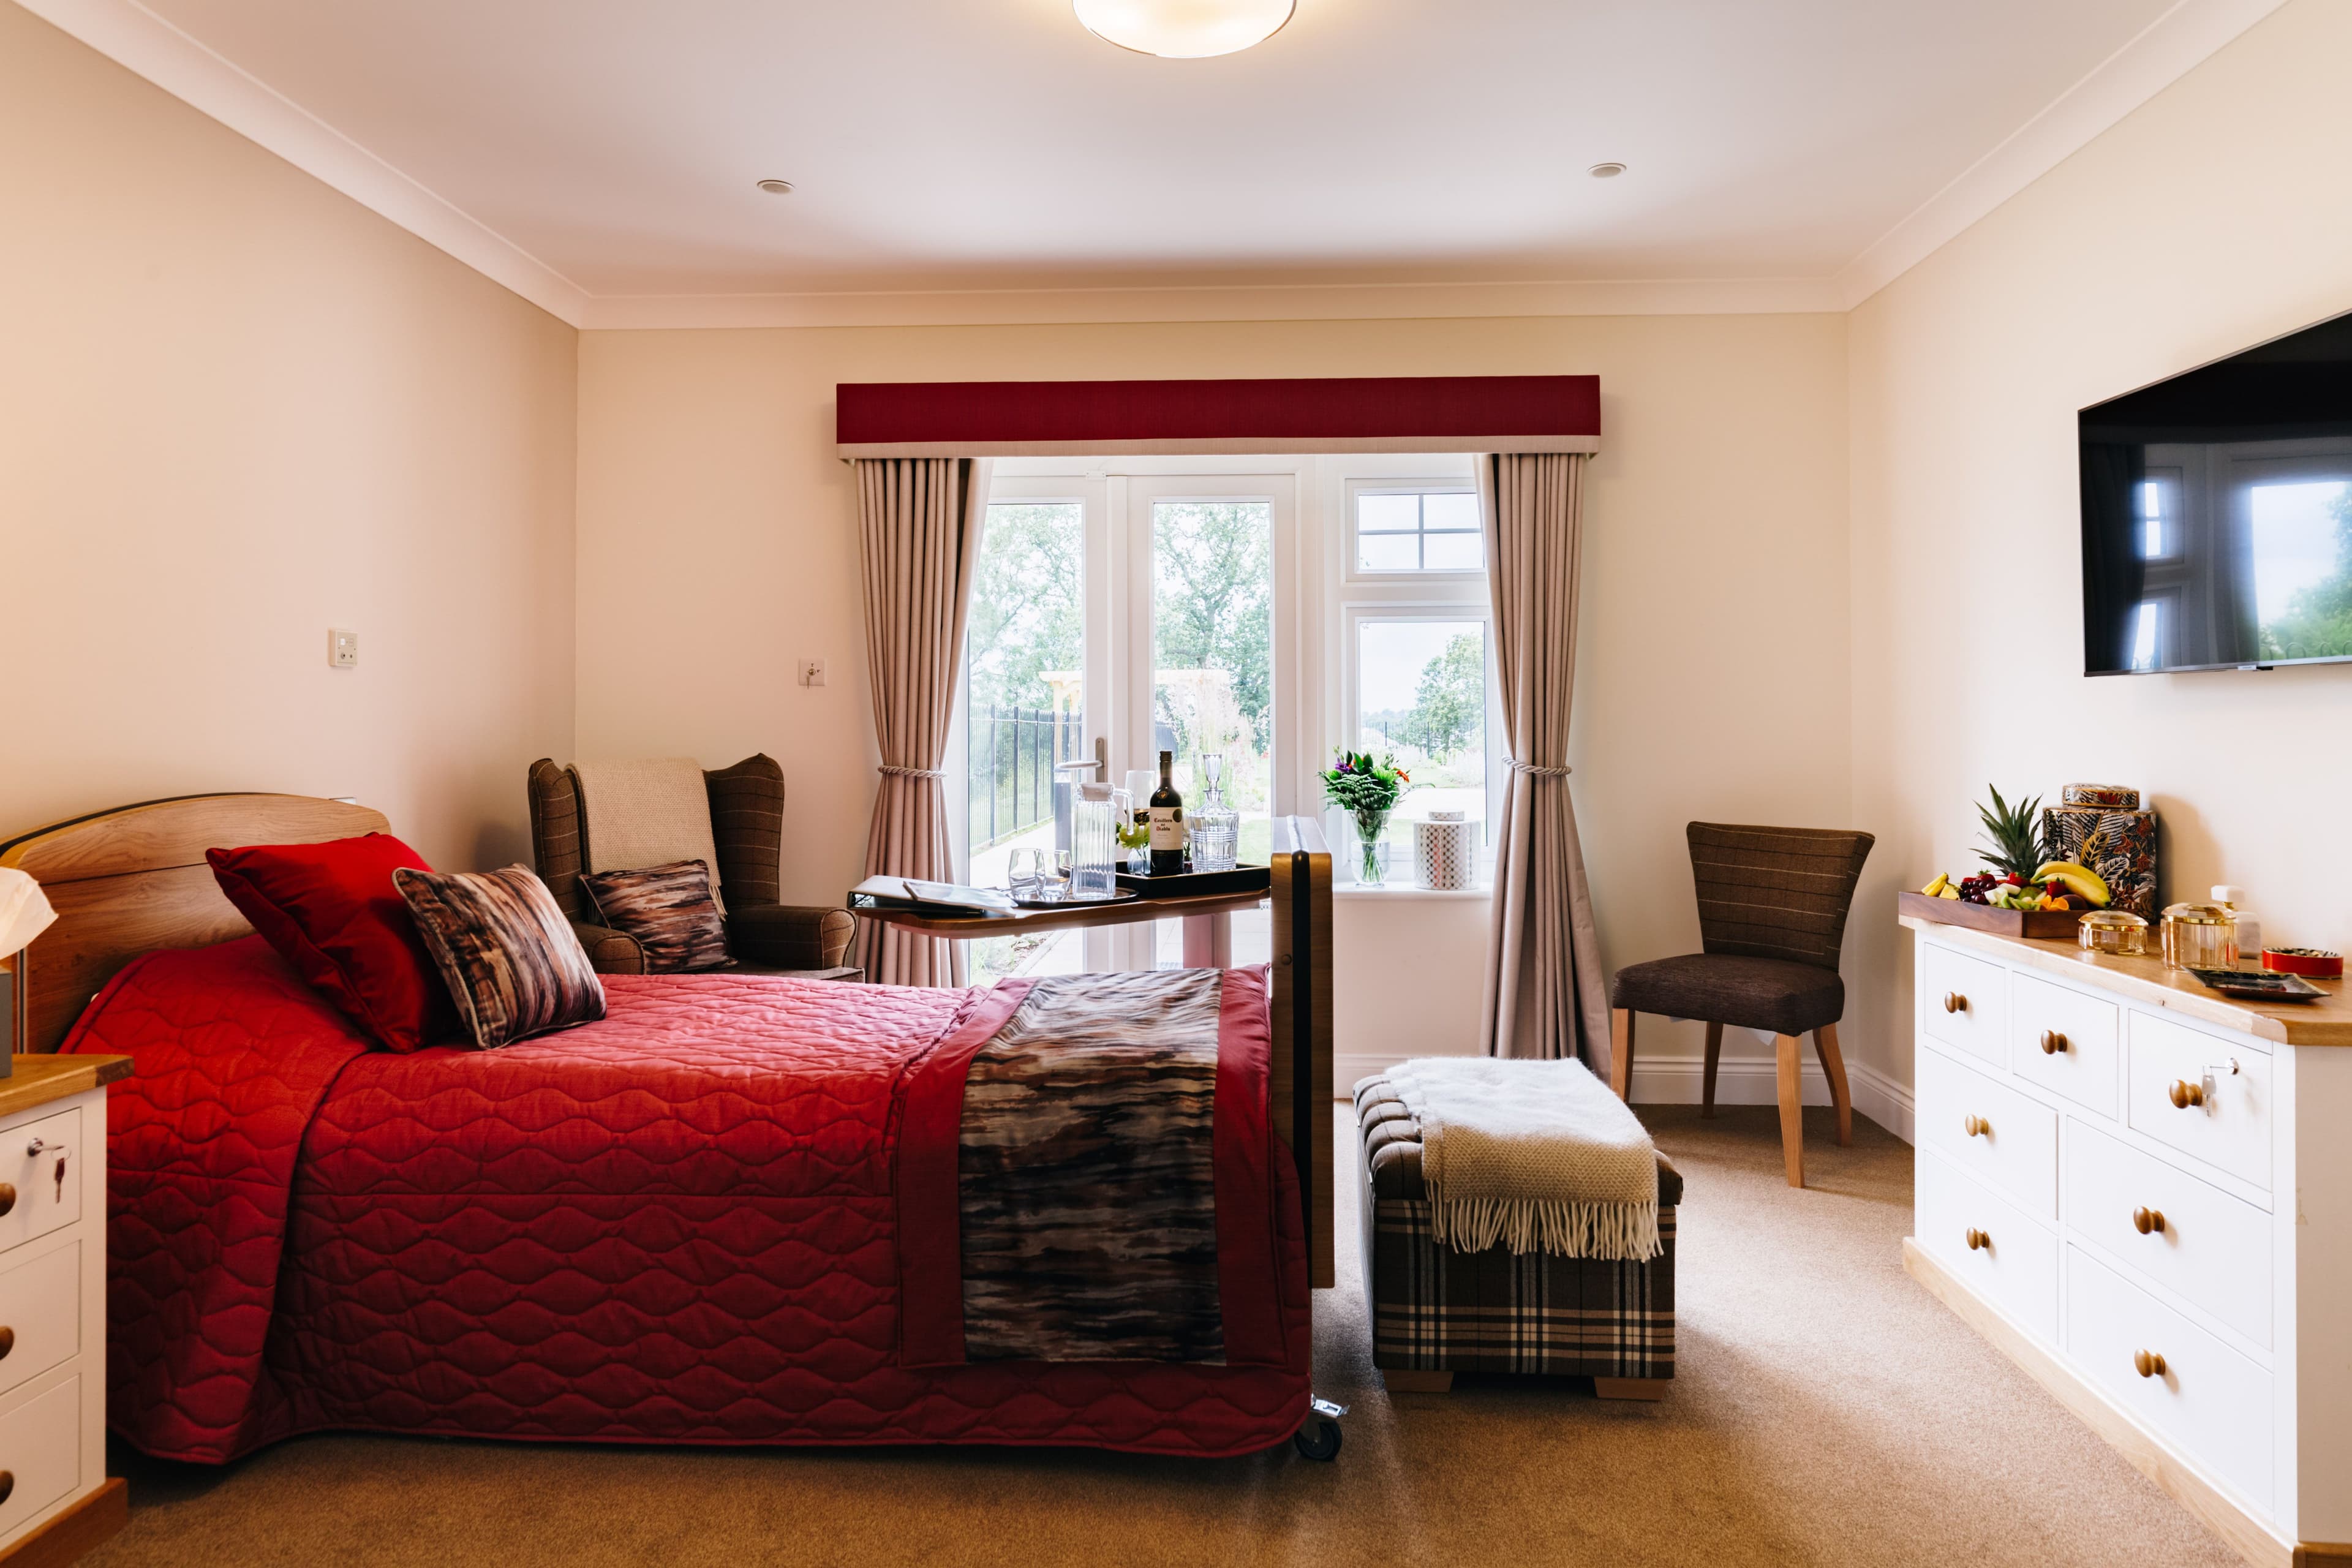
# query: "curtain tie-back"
[1538,769]
[895,770]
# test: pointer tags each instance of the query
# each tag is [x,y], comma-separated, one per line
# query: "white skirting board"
[1739,1081]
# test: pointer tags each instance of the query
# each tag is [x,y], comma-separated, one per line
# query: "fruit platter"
[2023,892]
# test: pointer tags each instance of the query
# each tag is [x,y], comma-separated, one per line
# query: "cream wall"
[718,544]
[2217,216]
[236,409]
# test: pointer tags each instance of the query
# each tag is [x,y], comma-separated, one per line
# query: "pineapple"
[2017,849]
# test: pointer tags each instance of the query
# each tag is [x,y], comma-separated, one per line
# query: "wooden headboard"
[134,879]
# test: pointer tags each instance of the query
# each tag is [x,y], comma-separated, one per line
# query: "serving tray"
[1195,884]
[2032,925]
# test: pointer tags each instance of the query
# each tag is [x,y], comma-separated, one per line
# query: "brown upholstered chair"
[1773,904]
[747,816]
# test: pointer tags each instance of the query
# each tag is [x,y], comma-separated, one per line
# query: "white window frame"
[1354,617]
[1355,574]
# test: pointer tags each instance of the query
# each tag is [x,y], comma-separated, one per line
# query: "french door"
[1122,614]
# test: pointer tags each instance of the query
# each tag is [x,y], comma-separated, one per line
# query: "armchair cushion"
[610,951]
[789,936]
[668,908]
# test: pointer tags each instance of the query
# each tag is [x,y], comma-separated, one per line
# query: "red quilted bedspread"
[675,1226]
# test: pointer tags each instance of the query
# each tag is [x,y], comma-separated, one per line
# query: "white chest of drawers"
[55,1501]
[2143,1193]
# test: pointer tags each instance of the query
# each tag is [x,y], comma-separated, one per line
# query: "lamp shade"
[24,912]
[1184,29]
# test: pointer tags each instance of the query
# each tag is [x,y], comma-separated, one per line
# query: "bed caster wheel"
[1319,1437]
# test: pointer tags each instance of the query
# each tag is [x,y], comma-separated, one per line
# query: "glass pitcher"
[1094,842]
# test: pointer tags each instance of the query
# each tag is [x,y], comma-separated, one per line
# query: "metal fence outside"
[1010,764]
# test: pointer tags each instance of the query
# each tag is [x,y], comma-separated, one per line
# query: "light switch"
[811,672]
[343,649]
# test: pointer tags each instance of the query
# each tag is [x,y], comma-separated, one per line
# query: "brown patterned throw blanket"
[1087,1187]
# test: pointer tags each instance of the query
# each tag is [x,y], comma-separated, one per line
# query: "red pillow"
[330,911]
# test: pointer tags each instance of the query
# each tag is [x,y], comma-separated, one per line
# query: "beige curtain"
[920,520]
[1545,994]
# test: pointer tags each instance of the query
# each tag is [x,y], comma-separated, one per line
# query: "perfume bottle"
[1215,826]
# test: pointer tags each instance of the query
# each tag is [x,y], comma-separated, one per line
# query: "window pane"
[1388,552]
[1421,694]
[1453,552]
[1456,510]
[1025,652]
[1387,513]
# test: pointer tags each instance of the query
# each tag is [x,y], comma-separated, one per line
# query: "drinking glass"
[1023,871]
[1141,783]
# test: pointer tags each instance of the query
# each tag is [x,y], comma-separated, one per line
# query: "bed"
[727,1214]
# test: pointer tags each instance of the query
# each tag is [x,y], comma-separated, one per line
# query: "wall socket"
[811,672]
[344,650]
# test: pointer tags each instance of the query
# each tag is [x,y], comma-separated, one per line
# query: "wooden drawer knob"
[7,1341]
[2147,1363]
[2148,1220]
[1955,1003]
[2052,1042]
[7,1196]
[1975,1127]
[1977,1240]
[8,1484]
[2186,1094]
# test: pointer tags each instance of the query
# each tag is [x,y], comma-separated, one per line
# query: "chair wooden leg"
[1714,1055]
[1792,1109]
[1621,1052]
[1402,1379]
[1833,1068]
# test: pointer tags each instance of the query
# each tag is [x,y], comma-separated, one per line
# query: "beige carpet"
[1827,1411]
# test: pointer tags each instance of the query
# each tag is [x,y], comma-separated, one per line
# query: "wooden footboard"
[1301,1093]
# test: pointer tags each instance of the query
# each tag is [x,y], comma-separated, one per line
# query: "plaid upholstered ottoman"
[1436,1312]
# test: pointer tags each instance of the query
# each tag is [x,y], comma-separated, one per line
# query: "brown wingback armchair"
[747,816]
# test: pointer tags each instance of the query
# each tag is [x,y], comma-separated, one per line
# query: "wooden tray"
[2031,925]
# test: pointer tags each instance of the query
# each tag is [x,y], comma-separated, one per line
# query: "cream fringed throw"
[1540,1156]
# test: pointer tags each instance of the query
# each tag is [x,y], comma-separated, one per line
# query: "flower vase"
[1369,828]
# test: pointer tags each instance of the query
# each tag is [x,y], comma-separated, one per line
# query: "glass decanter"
[1215,829]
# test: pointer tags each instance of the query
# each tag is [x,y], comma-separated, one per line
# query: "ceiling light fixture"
[777,187]
[1184,29]
[1606,171]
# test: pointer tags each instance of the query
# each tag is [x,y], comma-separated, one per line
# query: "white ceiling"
[960,145]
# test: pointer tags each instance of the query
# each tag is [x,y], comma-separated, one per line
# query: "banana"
[2078,879]
[1935,890]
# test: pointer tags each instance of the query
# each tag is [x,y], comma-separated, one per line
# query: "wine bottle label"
[1167,827]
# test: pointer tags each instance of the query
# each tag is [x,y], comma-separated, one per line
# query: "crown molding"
[144,44]
[1216,302]
[2166,49]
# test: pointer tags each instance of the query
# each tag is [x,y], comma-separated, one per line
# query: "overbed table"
[1208,921]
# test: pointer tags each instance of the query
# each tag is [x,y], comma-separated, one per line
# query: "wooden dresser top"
[36,1080]
[2145,981]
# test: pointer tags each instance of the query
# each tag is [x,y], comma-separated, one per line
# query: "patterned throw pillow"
[505,949]
[668,908]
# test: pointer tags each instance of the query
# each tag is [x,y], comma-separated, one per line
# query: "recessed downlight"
[1606,171]
[777,187]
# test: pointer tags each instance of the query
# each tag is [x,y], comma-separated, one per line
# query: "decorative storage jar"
[2114,930]
[1446,850]
[2199,936]
[2114,839]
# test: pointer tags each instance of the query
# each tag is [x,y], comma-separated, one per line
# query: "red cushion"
[330,911]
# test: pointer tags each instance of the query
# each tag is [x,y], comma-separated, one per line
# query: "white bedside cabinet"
[55,1501]
[2141,1191]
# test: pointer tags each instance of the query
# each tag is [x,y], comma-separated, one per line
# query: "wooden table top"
[36,1079]
[2145,980]
[1124,911]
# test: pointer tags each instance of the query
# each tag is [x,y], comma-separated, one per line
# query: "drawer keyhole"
[2148,1221]
[1979,1241]
[2147,1363]
[2052,1042]
[1975,1127]
[1955,1003]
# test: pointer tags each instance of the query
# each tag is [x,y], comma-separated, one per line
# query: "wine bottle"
[1167,821]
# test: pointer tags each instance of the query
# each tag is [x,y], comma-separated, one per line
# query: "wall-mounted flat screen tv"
[2216,514]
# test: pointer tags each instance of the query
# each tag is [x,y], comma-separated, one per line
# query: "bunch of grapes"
[1978,889]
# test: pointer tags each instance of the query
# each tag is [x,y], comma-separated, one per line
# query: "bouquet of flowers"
[1367,790]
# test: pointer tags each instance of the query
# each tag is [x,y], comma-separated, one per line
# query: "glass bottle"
[1215,828]
[1167,822]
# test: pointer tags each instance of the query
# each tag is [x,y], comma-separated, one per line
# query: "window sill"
[1406,890]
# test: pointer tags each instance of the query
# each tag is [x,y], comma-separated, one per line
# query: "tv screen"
[2216,514]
